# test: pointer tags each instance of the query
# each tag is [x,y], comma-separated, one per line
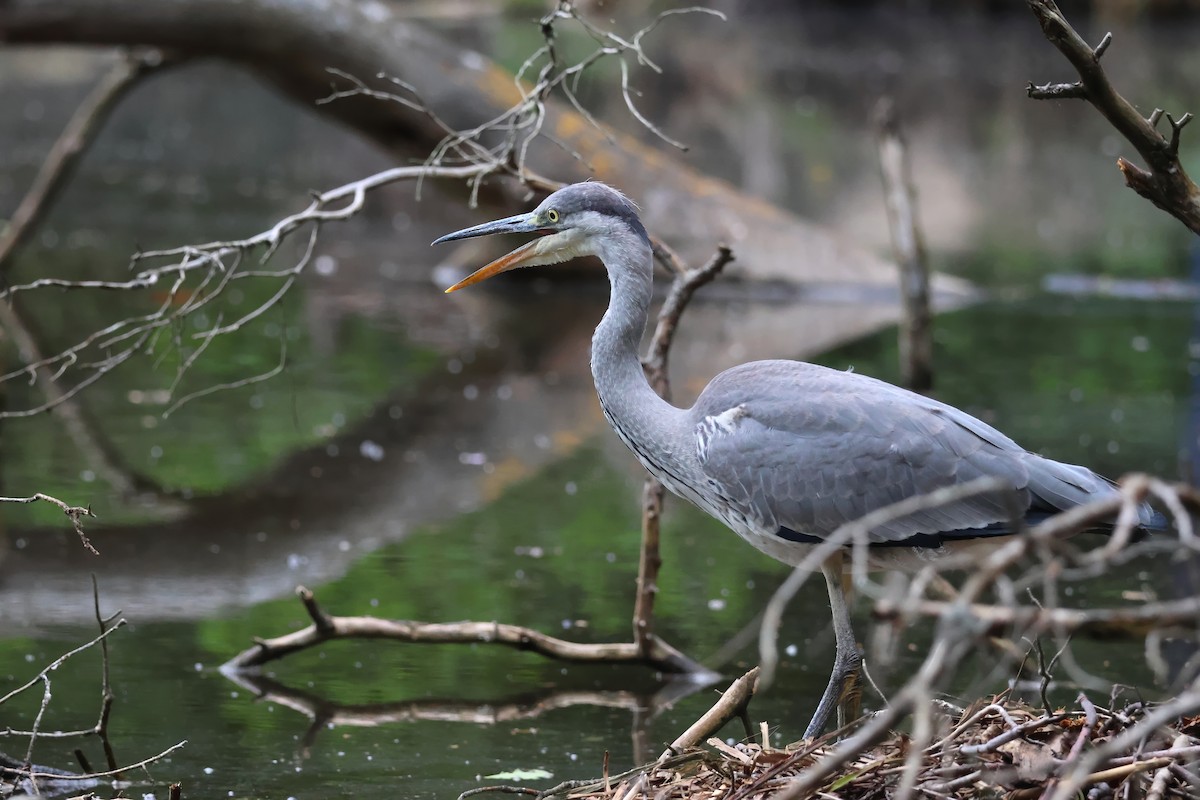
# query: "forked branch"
[326,627]
[74,513]
[1163,181]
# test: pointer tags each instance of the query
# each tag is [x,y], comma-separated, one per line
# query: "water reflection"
[525,709]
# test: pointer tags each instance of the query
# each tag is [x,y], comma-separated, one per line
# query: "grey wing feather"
[788,444]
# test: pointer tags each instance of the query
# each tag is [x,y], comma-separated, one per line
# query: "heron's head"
[579,218]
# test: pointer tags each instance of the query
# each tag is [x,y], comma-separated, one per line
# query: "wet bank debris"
[995,749]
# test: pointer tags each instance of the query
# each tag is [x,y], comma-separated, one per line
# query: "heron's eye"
[552,215]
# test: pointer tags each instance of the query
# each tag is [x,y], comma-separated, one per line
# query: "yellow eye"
[552,215]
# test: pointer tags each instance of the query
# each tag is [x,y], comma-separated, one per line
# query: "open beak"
[546,250]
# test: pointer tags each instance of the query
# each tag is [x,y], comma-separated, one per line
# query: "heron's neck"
[644,420]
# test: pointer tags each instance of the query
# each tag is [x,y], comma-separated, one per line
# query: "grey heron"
[785,452]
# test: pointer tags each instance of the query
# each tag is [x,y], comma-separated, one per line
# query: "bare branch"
[662,657]
[58,662]
[74,513]
[732,703]
[91,776]
[1164,182]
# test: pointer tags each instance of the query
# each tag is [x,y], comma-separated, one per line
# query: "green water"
[395,706]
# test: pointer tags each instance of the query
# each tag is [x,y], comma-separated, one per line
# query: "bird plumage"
[797,450]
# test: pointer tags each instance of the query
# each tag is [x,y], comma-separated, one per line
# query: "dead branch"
[683,287]
[90,776]
[74,513]
[916,319]
[1164,181]
[195,277]
[26,769]
[58,662]
[106,692]
[325,627]
[732,703]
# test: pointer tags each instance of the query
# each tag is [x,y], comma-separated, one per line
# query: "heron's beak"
[550,249]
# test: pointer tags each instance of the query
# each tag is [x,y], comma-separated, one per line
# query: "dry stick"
[58,662]
[656,366]
[88,776]
[732,703]
[209,259]
[916,321]
[325,627]
[106,693]
[1164,183]
[72,143]
[1015,732]
[74,513]
[33,735]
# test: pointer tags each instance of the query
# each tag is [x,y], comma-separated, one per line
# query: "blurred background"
[444,458]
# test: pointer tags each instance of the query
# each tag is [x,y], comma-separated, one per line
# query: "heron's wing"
[792,447]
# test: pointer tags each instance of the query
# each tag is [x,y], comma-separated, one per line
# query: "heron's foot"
[850,700]
[843,694]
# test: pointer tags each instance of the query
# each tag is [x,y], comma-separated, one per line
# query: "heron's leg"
[844,691]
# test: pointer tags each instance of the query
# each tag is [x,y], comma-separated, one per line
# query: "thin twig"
[58,662]
[74,513]
[90,776]
[106,692]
